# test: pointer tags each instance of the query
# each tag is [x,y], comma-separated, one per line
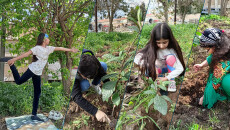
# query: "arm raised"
[66,49]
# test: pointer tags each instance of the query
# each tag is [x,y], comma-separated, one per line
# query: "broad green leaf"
[127,75]
[150,80]
[198,33]
[162,87]
[107,90]
[167,98]
[108,76]
[164,83]
[127,63]
[150,102]
[139,17]
[160,104]
[149,92]
[116,99]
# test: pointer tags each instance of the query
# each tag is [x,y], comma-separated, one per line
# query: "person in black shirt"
[89,68]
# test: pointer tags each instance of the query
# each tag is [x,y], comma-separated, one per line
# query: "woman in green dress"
[217,42]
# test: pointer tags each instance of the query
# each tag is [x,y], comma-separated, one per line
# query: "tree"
[184,8]
[133,11]
[175,11]
[224,4]
[166,5]
[64,21]
[109,8]
[3,38]
[96,3]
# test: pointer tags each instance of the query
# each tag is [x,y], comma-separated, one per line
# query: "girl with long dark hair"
[217,42]
[162,55]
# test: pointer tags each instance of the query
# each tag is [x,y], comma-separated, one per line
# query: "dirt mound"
[75,113]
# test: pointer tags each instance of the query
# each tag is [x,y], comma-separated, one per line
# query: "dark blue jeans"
[36,82]
[85,83]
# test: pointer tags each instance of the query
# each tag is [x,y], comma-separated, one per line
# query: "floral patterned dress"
[218,84]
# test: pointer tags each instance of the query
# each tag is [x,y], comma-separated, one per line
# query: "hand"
[162,79]
[10,62]
[74,50]
[197,67]
[102,117]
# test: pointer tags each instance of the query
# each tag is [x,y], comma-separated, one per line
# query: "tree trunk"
[2,51]
[209,6]
[224,4]
[111,23]
[112,11]
[96,17]
[183,17]
[175,12]
[66,77]
[165,4]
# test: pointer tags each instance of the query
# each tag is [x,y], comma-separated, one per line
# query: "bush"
[97,41]
[17,99]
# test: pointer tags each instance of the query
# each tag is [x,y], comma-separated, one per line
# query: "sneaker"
[55,115]
[172,86]
[51,114]
[97,88]
[35,117]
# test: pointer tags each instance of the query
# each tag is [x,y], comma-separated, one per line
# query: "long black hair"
[40,41]
[160,31]
[222,49]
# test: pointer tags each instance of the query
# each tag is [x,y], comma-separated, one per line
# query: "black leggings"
[36,82]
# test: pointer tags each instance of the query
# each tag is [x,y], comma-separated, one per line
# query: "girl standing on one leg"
[161,55]
[217,42]
[40,53]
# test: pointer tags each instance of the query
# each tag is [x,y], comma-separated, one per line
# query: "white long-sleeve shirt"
[160,62]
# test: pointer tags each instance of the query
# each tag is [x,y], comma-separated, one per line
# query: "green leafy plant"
[79,122]
[17,99]
[213,119]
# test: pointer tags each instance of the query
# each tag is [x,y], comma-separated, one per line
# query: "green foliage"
[134,12]
[111,88]
[213,17]
[150,97]
[80,121]
[127,119]
[97,41]
[25,19]
[137,21]
[17,99]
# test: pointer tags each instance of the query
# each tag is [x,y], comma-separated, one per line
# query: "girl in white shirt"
[40,53]
[161,55]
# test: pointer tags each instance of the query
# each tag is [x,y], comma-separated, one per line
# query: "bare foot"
[201,100]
